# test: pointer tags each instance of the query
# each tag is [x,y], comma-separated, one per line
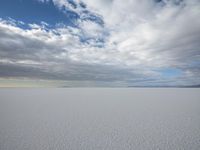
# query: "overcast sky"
[113,42]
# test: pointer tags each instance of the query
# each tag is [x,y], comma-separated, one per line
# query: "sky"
[100,42]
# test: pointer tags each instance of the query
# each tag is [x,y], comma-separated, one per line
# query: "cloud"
[132,44]
[55,54]
[154,34]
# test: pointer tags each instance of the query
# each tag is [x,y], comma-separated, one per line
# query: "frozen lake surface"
[100,119]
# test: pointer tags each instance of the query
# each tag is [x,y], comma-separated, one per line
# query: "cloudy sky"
[100,42]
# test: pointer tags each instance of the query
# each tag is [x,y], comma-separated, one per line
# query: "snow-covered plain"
[100,119]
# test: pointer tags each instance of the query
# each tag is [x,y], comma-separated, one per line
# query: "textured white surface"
[97,119]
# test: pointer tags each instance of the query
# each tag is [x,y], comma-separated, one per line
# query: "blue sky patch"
[170,72]
[32,11]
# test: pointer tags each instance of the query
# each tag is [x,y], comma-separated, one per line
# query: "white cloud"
[141,36]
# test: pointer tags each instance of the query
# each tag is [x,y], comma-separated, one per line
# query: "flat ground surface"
[100,119]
